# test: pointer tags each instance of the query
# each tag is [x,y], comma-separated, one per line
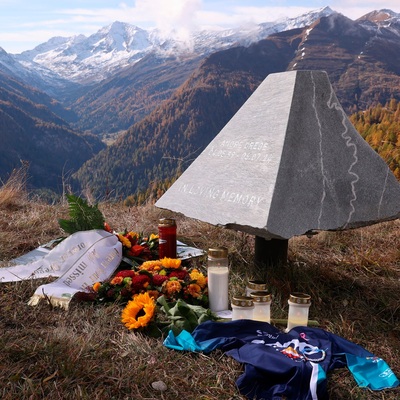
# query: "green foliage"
[180,315]
[84,217]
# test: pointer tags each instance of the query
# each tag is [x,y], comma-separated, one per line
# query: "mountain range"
[84,59]
[166,99]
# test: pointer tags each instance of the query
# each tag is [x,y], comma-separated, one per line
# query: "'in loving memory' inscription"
[240,151]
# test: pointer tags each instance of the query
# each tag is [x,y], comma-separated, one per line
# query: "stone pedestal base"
[270,253]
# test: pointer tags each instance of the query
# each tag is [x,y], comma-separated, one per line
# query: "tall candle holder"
[167,238]
[218,278]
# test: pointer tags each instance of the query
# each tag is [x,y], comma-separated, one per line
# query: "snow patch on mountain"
[83,59]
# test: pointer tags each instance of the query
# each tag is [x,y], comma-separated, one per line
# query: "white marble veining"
[354,178]
[323,173]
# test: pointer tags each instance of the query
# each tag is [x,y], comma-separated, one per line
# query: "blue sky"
[25,23]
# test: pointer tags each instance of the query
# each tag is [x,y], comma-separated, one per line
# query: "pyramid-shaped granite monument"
[288,162]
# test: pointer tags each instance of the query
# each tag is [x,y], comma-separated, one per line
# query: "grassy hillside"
[86,353]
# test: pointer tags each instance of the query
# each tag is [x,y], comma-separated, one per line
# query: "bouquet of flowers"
[157,277]
[152,289]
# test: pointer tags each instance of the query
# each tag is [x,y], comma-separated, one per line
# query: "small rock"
[159,385]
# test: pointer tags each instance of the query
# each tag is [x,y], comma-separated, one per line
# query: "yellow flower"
[172,263]
[172,287]
[153,237]
[96,286]
[138,312]
[200,279]
[151,265]
[133,235]
[125,241]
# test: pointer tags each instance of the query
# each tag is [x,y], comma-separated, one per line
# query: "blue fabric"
[185,341]
[292,364]
[371,372]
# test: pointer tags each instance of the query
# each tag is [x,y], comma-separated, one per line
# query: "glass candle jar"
[218,278]
[299,305]
[166,238]
[262,306]
[242,307]
[253,286]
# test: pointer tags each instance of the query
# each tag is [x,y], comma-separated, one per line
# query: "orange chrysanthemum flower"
[138,312]
[172,287]
[200,279]
[171,263]
[194,290]
[117,280]
[96,286]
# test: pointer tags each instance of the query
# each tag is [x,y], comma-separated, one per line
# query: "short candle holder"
[299,305]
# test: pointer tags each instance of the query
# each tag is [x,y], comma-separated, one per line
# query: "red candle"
[167,238]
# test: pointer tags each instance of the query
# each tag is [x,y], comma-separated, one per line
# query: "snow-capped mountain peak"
[119,36]
[82,59]
[93,58]
[306,19]
[379,16]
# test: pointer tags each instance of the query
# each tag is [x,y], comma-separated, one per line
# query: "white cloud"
[180,17]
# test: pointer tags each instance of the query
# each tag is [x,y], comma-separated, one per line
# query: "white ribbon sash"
[79,261]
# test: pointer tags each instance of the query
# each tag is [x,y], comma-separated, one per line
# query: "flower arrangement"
[166,277]
[154,288]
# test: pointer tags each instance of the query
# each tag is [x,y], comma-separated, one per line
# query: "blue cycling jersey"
[292,365]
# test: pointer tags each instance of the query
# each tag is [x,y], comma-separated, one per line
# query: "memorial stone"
[288,162]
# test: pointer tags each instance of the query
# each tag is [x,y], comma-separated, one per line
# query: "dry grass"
[86,353]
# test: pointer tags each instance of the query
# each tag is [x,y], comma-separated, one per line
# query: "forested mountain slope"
[380,127]
[31,132]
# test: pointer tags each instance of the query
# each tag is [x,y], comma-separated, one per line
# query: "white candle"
[297,318]
[218,281]
[262,305]
[242,307]
[299,305]
[262,311]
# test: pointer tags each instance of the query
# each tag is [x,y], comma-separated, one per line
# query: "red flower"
[132,239]
[126,273]
[146,253]
[140,282]
[107,227]
[136,250]
[180,274]
[158,280]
